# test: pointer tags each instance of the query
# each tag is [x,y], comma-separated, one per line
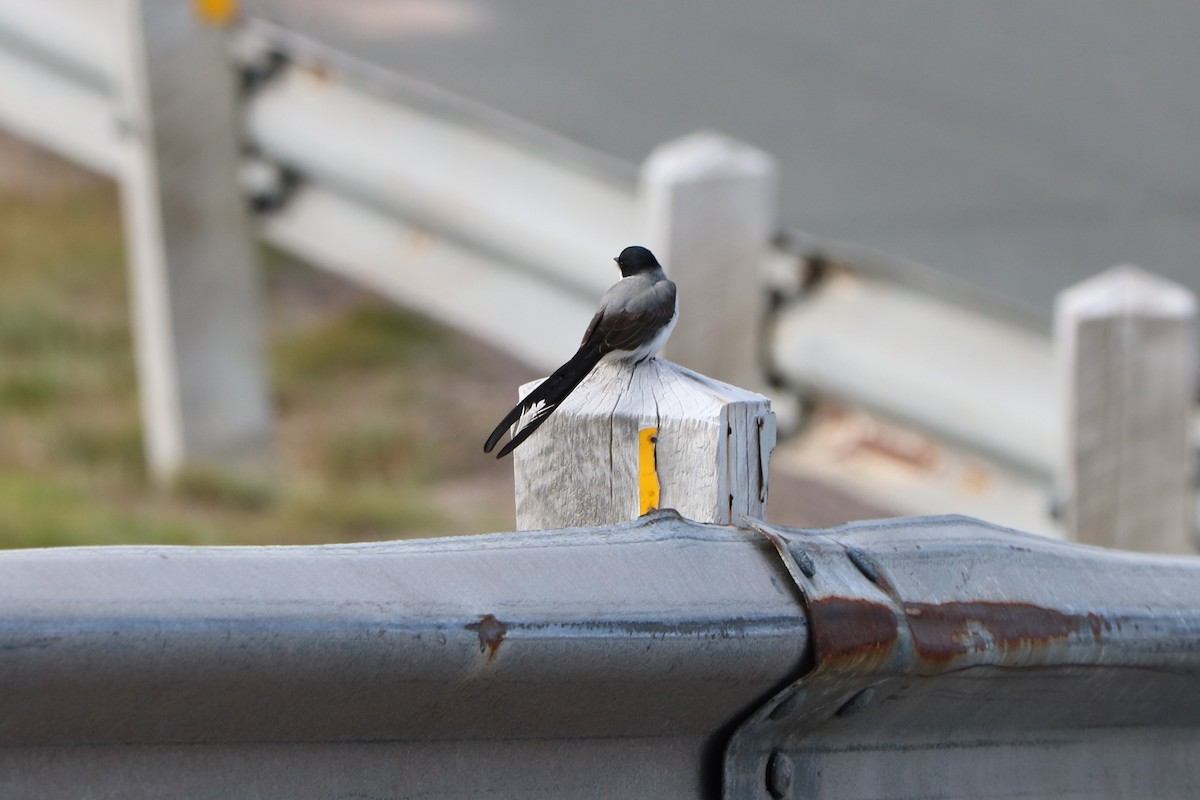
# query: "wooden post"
[709,205]
[192,264]
[634,438]
[1126,343]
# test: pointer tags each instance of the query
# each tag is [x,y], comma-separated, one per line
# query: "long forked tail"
[530,413]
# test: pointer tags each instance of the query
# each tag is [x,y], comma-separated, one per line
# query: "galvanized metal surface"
[936,657]
[599,662]
[954,659]
[845,339]
[56,67]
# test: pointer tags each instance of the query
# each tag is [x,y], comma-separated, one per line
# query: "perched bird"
[635,318]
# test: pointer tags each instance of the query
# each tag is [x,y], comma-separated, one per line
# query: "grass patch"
[377,407]
[226,490]
[30,393]
[43,511]
[361,338]
[361,513]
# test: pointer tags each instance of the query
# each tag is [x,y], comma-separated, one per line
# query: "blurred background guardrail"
[503,229]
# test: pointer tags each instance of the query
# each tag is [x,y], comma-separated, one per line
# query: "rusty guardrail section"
[951,658]
[929,657]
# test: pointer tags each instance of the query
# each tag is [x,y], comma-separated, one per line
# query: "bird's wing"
[626,323]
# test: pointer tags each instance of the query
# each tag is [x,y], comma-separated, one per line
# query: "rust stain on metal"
[850,632]
[855,434]
[856,634]
[976,478]
[1101,625]
[491,634]
[943,632]
[319,70]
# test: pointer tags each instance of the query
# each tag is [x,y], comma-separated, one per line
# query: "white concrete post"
[192,265]
[1126,344]
[709,205]
[632,439]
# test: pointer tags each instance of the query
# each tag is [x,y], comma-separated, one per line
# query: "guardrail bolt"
[856,703]
[803,561]
[788,706]
[779,774]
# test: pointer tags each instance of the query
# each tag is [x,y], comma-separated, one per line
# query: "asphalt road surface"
[1015,147]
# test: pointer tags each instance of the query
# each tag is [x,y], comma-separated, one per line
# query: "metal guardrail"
[662,658]
[558,664]
[951,658]
[56,62]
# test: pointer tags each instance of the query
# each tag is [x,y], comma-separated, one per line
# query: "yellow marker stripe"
[648,487]
[215,12]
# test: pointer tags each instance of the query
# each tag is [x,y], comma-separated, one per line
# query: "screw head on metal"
[780,772]
[803,560]
[856,703]
[788,705]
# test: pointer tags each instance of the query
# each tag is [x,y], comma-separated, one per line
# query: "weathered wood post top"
[636,437]
[1126,342]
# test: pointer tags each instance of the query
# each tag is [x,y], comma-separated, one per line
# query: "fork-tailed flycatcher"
[635,318]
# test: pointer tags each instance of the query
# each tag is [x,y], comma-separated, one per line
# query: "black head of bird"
[635,259]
